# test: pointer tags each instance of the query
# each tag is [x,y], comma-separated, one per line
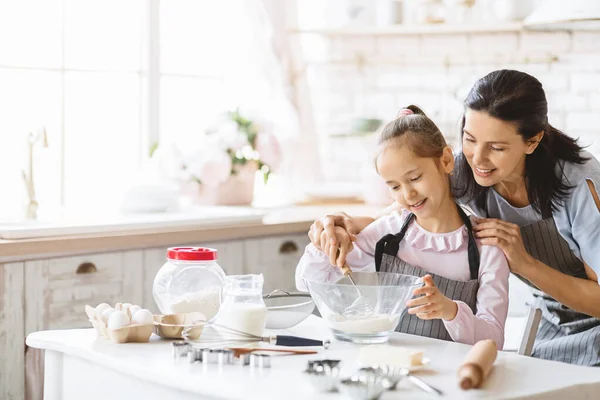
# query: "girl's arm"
[492,303]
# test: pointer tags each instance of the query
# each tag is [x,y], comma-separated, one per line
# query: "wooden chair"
[531,328]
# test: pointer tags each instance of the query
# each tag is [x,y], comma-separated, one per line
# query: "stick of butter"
[390,355]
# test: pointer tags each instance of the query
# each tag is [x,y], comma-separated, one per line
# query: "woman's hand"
[337,251]
[432,304]
[322,231]
[507,237]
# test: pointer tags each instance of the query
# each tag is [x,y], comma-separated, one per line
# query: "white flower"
[269,150]
[211,168]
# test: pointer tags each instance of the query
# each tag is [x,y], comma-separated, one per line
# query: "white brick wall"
[374,76]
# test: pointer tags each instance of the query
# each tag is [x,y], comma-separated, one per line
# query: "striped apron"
[386,260]
[564,334]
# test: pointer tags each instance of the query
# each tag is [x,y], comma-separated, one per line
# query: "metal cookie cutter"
[258,360]
[217,356]
[323,374]
[180,349]
[194,355]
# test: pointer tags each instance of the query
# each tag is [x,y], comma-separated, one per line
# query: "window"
[106,78]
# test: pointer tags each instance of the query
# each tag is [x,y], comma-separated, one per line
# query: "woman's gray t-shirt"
[577,218]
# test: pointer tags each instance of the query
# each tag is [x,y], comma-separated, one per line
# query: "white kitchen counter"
[80,366]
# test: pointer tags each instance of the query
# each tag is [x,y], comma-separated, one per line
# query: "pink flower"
[269,150]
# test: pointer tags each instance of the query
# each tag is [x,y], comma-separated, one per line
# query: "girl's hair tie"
[404,112]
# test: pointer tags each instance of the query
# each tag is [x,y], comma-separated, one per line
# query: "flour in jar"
[363,324]
[205,301]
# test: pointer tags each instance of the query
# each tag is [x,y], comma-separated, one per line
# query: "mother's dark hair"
[519,98]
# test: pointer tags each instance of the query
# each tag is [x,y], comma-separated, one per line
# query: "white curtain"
[261,75]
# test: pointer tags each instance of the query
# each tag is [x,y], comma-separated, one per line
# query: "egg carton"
[139,333]
[172,326]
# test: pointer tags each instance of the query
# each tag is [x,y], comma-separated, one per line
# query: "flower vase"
[238,189]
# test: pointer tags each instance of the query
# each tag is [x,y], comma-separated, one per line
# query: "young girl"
[465,296]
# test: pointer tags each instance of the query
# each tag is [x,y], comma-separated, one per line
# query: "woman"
[537,192]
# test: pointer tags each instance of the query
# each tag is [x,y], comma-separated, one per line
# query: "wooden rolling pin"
[477,364]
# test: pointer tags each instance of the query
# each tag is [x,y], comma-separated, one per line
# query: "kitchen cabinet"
[57,290]
[276,258]
[12,331]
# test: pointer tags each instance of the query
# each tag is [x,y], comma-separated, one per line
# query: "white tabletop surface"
[513,376]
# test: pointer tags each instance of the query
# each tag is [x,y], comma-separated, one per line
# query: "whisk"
[218,335]
[361,306]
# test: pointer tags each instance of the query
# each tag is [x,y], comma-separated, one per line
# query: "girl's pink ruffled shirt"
[444,254]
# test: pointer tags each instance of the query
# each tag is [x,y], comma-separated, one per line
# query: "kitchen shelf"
[407,30]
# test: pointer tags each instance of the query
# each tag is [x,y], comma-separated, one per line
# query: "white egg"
[125,306]
[106,314]
[142,317]
[100,308]
[117,320]
[133,309]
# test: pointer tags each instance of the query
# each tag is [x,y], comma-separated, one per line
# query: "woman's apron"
[564,335]
[386,260]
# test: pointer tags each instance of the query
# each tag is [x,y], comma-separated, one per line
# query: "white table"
[80,366]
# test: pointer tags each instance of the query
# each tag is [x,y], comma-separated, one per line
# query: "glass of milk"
[242,304]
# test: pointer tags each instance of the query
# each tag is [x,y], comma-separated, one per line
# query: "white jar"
[243,308]
[190,281]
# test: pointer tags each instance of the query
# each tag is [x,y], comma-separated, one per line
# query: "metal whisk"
[361,306]
[216,335]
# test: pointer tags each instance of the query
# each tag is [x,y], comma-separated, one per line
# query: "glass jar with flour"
[243,307]
[190,281]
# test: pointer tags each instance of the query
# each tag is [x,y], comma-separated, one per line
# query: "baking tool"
[244,359]
[260,360]
[420,383]
[219,335]
[392,375]
[287,309]
[180,348]
[361,306]
[238,351]
[194,355]
[387,293]
[323,374]
[363,388]
[217,356]
[477,364]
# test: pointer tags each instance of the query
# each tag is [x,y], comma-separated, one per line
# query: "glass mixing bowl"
[386,292]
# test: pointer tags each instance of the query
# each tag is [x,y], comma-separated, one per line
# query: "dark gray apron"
[386,260]
[564,335]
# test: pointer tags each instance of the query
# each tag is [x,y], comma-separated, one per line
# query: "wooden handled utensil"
[477,364]
[238,351]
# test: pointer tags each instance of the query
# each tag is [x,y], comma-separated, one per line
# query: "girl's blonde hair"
[415,130]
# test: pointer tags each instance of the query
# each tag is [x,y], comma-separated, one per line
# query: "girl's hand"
[338,250]
[432,304]
[507,237]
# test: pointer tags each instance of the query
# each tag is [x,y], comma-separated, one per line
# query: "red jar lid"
[192,253]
